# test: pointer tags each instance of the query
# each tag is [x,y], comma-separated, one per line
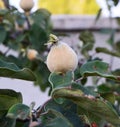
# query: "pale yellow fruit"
[26,5]
[61,58]
[32,54]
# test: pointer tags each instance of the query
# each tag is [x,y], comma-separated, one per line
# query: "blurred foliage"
[73,103]
[88,42]
[20,33]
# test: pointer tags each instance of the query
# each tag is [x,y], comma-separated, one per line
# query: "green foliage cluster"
[72,103]
[20,33]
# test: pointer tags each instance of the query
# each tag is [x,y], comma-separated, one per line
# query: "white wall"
[30,93]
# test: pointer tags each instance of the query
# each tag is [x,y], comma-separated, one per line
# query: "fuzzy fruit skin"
[26,5]
[61,58]
[31,54]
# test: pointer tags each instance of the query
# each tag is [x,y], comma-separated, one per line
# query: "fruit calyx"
[53,39]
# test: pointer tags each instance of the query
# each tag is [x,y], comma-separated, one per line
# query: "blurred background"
[71,17]
[76,7]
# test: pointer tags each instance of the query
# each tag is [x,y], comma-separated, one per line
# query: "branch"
[106,51]
[79,79]
[6,3]
[40,109]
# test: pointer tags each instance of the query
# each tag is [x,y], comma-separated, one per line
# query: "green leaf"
[19,111]
[97,68]
[10,70]
[106,51]
[88,41]
[42,75]
[58,81]
[66,106]
[116,2]
[84,89]
[3,12]
[97,106]
[111,97]
[87,37]
[68,109]
[42,16]
[109,87]
[118,20]
[20,123]
[88,116]
[87,47]
[117,46]
[20,18]
[111,38]
[7,99]
[109,92]
[38,40]
[103,88]
[54,119]
[7,122]
[3,34]
[40,29]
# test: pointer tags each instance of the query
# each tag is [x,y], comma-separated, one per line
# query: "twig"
[7,51]
[79,79]
[111,62]
[39,110]
[28,23]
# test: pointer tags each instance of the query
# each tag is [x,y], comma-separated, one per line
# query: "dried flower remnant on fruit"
[53,39]
[26,5]
[32,54]
[61,57]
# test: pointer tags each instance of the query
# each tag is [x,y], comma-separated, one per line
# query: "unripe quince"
[32,54]
[26,5]
[61,58]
